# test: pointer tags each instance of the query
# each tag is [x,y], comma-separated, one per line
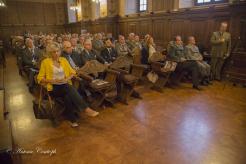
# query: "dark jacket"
[75,56]
[109,56]
[91,55]
[28,57]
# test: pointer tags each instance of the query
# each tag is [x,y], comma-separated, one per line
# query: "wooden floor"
[178,126]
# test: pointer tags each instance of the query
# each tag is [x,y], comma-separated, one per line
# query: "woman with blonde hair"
[153,56]
[56,74]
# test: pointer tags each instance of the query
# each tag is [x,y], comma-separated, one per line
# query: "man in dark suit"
[30,61]
[89,54]
[109,54]
[72,57]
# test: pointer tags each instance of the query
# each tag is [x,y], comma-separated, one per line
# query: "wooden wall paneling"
[158,30]
[158,5]
[145,28]
[200,30]
[61,13]
[50,15]
[132,27]
[122,28]
[177,28]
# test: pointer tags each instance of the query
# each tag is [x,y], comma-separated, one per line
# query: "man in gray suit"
[121,47]
[221,47]
[176,53]
[192,53]
[97,43]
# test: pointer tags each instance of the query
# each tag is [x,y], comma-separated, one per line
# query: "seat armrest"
[85,77]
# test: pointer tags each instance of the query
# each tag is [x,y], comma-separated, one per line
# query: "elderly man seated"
[74,43]
[192,53]
[30,61]
[80,45]
[89,54]
[131,43]
[97,43]
[176,53]
[121,47]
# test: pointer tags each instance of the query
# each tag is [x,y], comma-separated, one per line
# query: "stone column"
[150,6]
[122,8]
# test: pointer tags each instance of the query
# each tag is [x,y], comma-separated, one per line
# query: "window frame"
[139,5]
[211,2]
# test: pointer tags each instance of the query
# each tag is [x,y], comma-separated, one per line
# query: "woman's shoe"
[74,124]
[91,113]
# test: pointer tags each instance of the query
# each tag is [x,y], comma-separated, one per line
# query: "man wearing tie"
[89,54]
[30,61]
[109,54]
[221,47]
[72,57]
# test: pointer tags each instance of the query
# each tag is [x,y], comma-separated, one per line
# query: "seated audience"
[131,41]
[176,53]
[89,54]
[192,53]
[30,61]
[145,50]
[97,43]
[72,57]
[121,47]
[56,74]
[74,44]
[109,54]
[59,41]
[137,42]
[153,55]
[80,45]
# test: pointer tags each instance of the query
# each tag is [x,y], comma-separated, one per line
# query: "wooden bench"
[127,81]
[105,93]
